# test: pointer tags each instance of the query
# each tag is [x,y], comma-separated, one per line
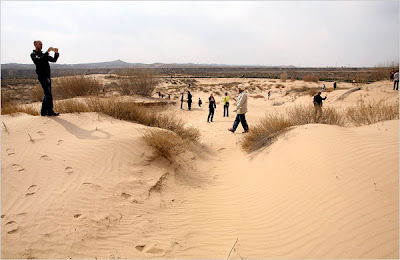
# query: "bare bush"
[37,93]
[365,114]
[165,143]
[284,76]
[264,132]
[75,86]
[310,78]
[138,81]
[302,115]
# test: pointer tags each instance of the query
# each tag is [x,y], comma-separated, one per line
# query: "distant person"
[159,94]
[225,100]
[334,85]
[189,100]
[241,109]
[354,81]
[200,102]
[323,88]
[182,99]
[269,94]
[391,75]
[318,106]
[169,96]
[41,60]
[189,85]
[211,108]
[396,80]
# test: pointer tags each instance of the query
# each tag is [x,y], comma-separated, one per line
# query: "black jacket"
[318,100]
[41,61]
[211,104]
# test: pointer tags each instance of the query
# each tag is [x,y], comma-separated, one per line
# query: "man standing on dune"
[318,106]
[241,109]
[41,61]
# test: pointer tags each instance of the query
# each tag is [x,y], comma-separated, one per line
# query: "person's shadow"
[81,133]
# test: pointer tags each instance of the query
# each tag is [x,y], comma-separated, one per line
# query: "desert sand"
[83,186]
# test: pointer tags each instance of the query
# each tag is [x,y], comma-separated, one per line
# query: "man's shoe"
[53,114]
[245,131]
[232,130]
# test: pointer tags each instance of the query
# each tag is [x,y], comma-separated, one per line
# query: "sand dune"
[84,186]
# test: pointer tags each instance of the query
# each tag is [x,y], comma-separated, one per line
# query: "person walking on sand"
[211,108]
[200,102]
[41,61]
[391,75]
[182,99]
[225,100]
[241,109]
[396,80]
[269,94]
[334,85]
[318,106]
[189,100]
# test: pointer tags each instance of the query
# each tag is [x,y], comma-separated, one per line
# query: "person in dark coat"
[211,108]
[41,60]
[189,100]
[318,106]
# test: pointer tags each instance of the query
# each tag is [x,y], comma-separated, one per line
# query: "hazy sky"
[299,33]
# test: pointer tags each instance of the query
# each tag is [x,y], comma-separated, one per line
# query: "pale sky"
[299,33]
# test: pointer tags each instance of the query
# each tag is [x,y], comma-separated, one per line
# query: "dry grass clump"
[75,87]
[265,132]
[70,106]
[12,108]
[138,81]
[302,115]
[37,93]
[284,76]
[165,143]
[310,78]
[365,114]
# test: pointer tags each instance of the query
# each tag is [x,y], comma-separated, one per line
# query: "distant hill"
[122,64]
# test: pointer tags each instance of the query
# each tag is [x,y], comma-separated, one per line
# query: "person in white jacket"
[241,109]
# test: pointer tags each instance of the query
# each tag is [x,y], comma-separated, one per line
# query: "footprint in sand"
[60,142]
[77,215]
[69,170]
[18,167]
[45,157]
[125,195]
[32,190]
[12,227]
[10,151]
[41,133]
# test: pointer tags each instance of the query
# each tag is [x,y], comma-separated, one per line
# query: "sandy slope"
[85,188]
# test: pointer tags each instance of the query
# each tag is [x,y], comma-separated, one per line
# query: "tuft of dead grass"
[138,81]
[75,86]
[310,78]
[166,144]
[370,113]
[265,132]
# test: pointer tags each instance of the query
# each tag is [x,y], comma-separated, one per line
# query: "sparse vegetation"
[365,114]
[75,86]
[138,81]
[165,143]
[310,78]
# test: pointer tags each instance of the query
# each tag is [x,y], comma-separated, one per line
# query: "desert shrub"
[264,132]
[12,108]
[37,93]
[310,78]
[70,106]
[75,86]
[165,143]
[302,115]
[284,76]
[138,81]
[365,114]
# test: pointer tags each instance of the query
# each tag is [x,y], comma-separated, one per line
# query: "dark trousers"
[189,104]
[47,103]
[396,85]
[226,108]
[211,114]
[181,104]
[240,118]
